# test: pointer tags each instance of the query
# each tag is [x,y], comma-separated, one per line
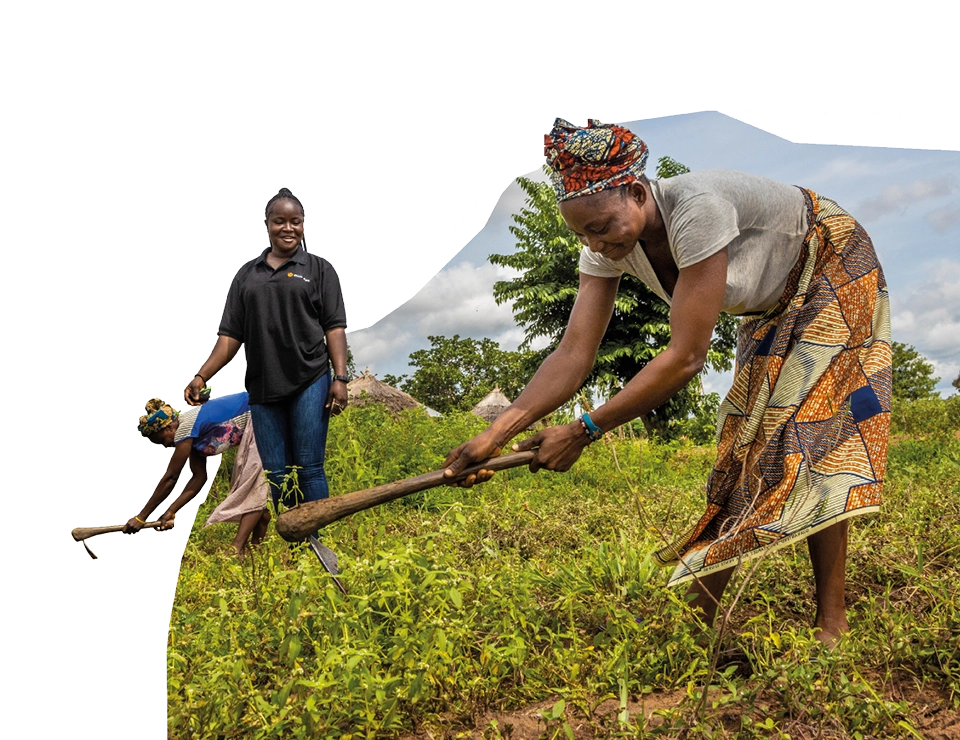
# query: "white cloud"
[720,383]
[895,198]
[947,372]
[943,218]
[850,167]
[375,349]
[927,316]
[458,300]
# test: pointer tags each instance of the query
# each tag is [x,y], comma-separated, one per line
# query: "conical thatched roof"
[367,389]
[492,405]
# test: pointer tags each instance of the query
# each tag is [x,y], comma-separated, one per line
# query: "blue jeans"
[293,432]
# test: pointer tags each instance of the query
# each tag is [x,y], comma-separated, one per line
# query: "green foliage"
[701,426]
[669,167]
[928,418]
[913,377]
[370,445]
[351,363]
[455,374]
[540,589]
[543,294]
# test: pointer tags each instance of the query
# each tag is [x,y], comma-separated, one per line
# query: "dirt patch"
[931,718]
[938,725]
[528,723]
[931,715]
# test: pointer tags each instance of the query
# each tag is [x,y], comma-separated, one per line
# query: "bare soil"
[931,718]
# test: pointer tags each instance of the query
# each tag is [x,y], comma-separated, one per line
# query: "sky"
[141,142]
[908,200]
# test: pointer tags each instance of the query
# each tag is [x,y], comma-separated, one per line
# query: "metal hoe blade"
[89,551]
[327,558]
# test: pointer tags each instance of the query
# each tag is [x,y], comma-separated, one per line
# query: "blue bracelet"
[592,430]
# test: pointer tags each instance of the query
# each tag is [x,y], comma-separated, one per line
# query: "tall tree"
[455,374]
[913,377]
[542,296]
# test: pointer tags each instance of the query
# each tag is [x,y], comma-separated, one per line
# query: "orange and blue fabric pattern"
[802,435]
[583,161]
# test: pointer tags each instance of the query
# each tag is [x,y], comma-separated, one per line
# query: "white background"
[140,144]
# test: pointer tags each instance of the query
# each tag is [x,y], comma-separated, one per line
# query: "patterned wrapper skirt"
[248,486]
[802,434]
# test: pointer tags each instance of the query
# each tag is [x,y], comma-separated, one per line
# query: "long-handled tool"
[81,533]
[298,523]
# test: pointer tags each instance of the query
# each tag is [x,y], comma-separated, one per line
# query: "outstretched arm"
[557,379]
[697,299]
[180,454]
[198,468]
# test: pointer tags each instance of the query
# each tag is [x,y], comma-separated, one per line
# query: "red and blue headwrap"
[587,160]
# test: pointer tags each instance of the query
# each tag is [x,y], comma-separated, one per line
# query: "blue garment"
[215,426]
[218,410]
[293,432]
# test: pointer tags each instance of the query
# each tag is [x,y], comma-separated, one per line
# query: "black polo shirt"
[281,317]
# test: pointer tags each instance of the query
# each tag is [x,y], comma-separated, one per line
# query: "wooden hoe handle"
[82,533]
[298,523]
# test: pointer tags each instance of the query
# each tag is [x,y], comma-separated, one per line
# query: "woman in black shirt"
[286,308]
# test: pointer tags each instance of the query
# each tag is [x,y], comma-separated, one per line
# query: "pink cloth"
[248,486]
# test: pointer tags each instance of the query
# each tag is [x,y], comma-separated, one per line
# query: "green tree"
[351,363]
[455,374]
[669,167]
[913,377]
[542,296]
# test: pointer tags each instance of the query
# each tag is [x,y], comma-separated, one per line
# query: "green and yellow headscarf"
[157,417]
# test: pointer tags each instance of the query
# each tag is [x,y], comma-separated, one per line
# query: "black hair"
[282,192]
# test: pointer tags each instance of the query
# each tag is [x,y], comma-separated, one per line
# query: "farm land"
[528,607]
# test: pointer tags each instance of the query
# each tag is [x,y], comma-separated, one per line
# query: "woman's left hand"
[166,521]
[132,526]
[336,397]
[558,448]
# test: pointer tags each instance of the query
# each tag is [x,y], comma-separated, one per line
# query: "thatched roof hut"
[492,405]
[367,389]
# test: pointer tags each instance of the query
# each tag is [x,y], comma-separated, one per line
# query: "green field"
[528,607]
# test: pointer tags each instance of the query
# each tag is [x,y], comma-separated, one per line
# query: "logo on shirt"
[293,274]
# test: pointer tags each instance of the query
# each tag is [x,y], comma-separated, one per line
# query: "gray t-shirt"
[761,222]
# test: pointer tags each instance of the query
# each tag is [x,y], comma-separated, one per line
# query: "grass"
[529,607]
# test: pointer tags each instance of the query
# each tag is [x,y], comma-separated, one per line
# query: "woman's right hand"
[133,526]
[191,394]
[166,521]
[481,447]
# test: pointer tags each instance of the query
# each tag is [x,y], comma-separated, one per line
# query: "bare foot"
[260,530]
[831,634]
